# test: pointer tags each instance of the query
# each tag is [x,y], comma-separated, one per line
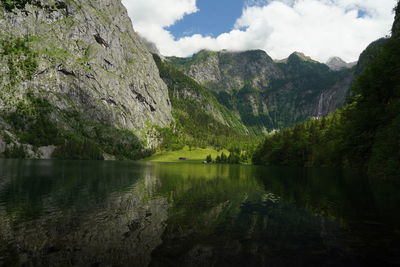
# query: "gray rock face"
[90,60]
[334,98]
[227,71]
[336,63]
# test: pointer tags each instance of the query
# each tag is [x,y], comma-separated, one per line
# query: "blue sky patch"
[214,18]
[362,13]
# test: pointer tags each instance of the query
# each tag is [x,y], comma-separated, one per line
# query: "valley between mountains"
[77,82]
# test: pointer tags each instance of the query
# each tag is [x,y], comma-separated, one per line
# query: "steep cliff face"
[80,57]
[268,94]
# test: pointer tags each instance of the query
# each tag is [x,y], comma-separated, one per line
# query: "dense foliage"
[317,142]
[373,122]
[10,5]
[365,135]
[236,156]
[21,60]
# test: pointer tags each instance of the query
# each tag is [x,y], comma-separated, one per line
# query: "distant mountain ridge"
[269,94]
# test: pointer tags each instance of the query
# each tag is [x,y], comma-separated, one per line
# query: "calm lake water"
[84,213]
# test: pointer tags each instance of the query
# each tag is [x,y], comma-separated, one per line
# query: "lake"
[86,213]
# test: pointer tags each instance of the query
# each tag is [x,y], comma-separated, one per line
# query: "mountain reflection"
[79,213]
[139,214]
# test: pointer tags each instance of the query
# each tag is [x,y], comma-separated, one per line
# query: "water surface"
[84,213]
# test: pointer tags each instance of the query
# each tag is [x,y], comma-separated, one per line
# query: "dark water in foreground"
[62,213]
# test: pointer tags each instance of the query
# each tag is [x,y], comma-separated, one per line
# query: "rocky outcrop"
[336,63]
[82,57]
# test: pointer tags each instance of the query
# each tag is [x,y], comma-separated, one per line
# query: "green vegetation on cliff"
[201,120]
[9,5]
[20,58]
[33,123]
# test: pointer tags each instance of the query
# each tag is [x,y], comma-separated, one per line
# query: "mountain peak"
[301,56]
[336,63]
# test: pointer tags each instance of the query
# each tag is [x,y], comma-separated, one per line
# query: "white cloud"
[156,13]
[318,28]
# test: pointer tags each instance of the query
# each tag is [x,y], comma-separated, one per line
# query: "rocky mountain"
[336,63]
[73,74]
[269,94]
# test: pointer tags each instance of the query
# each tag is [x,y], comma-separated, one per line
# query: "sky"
[318,28]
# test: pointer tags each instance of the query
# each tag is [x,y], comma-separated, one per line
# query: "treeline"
[364,135]
[235,156]
[317,142]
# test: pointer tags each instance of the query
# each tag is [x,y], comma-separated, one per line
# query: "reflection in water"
[79,213]
[139,214]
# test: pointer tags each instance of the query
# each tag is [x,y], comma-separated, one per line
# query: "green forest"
[363,135]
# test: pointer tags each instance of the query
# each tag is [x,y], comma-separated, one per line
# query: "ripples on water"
[82,213]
